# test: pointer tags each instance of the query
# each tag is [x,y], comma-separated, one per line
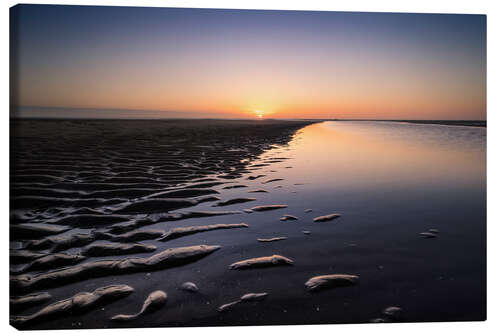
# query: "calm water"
[390,181]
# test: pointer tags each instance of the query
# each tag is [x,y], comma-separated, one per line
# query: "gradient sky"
[230,63]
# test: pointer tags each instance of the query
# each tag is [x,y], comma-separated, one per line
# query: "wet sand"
[192,198]
[78,185]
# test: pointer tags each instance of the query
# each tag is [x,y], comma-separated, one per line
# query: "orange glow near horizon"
[367,95]
[229,63]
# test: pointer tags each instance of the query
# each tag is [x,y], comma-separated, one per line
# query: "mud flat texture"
[164,208]
[83,193]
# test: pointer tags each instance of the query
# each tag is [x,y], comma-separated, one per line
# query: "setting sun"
[285,67]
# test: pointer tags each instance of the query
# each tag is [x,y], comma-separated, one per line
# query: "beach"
[259,208]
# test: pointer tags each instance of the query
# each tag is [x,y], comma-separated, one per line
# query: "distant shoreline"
[473,123]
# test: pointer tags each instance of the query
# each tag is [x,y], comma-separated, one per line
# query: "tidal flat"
[155,205]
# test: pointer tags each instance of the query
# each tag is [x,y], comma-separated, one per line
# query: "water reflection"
[358,155]
[390,181]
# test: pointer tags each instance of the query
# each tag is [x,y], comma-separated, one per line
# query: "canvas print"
[214,167]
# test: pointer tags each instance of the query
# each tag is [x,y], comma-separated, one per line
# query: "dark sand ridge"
[112,185]
[78,303]
[117,232]
[184,231]
[24,256]
[267,207]
[108,249]
[166,259]
[137,235]
[126,193]
[89,220]
[113,249]
[255,177]
[65,242]
[233,201]
[30,230]
[274,260]
[331,281]
[51,261]
[155,300]
[272,180]
[233,186]
[22,302]
[121,206]
[252,297]
[59,243]
[287,217]
[274,239]
[121,228]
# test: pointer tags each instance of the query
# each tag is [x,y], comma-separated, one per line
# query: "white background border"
[491,8]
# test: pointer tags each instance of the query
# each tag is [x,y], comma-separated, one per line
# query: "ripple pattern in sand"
[83,190]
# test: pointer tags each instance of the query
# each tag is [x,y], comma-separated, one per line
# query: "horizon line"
[187,112]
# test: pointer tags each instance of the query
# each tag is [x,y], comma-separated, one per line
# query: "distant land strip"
[474,123]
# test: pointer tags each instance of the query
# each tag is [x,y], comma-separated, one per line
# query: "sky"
[245,63]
